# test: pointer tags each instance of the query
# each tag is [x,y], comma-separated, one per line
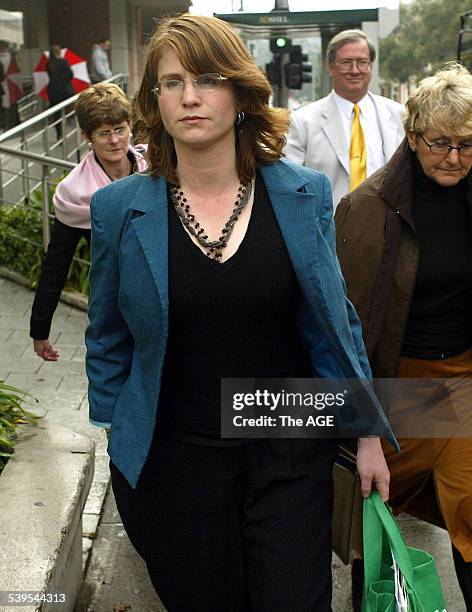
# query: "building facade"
[78,24]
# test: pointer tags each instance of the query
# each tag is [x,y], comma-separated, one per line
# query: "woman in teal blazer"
[177,304]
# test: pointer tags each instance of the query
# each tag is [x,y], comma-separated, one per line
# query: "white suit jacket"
[316,138]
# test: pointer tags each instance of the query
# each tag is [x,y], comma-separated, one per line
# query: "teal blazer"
[128,311]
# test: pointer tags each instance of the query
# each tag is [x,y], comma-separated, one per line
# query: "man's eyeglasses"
[175,85]
[445,149]
[121,132]
[347,65]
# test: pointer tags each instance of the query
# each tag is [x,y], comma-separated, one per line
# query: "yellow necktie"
[357,152]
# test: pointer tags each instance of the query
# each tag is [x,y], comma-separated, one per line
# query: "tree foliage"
[425,38]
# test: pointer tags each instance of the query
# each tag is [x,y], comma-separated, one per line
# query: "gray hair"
[348,36]
[442,102]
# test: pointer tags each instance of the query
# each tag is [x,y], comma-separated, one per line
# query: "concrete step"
[43,491]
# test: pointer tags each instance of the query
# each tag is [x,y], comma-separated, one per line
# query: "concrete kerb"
[70,297]
[51,555]
[43,491]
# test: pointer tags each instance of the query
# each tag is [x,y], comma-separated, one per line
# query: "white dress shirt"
[370,126]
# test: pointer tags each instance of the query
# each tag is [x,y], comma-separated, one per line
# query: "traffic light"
[281,44]
[274,71]
[278,46]
[298,70]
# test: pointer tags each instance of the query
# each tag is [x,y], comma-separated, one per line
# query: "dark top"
[234,320]
[61,249]
[60,77]
[440,321]
[56,264]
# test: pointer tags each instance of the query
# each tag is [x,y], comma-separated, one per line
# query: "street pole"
[281,97]
[281,93]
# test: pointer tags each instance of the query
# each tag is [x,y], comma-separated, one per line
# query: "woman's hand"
[372,467]
[45,350]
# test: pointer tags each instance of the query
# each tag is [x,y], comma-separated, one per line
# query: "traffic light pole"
[281,92]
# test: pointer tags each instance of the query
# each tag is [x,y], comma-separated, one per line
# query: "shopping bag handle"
[381,531]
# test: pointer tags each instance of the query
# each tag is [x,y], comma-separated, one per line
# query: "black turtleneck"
[440,320]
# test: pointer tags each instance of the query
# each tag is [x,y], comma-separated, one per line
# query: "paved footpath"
[60,387]
[115,579]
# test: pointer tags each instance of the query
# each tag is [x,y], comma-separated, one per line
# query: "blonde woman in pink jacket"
[103,113]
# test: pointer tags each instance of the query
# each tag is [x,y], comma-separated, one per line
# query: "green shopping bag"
[396,578]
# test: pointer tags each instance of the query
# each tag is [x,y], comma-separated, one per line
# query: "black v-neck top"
[129,155]
[227,320]
[440,319]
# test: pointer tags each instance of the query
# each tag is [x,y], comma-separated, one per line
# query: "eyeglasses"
[121,132]
[174,86]
[347,65]
[445,149]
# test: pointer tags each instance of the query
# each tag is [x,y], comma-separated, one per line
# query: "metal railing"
[45,181]
[53,132]
[29,106]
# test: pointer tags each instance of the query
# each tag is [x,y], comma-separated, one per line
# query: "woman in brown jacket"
[404,241]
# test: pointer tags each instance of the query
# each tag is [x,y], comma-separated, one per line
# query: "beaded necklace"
[214,247]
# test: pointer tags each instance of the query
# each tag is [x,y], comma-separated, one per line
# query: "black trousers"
[234,529]
[464,576]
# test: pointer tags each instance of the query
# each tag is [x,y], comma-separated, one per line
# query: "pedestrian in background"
[100,66]
[103,113]
[351,133]
[404,241]
[60,83]
[204,269]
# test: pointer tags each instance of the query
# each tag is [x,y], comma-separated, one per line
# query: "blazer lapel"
[151,228]
[296,217]
[332,126]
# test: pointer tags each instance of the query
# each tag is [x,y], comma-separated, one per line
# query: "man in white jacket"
[320,134]
[99,62]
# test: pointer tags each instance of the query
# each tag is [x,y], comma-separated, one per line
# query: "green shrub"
[21,247]
[78,277]
[20,241]
[12,414]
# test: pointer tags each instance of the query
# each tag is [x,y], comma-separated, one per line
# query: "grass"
[12,415]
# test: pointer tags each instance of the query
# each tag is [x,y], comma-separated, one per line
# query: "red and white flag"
[12,83]
[78,65]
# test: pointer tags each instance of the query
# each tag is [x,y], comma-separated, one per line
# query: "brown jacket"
[379,252]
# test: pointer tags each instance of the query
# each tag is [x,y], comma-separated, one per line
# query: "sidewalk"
[116,579]
[60,387]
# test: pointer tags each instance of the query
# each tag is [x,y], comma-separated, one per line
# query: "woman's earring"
[89,144]
[239,118]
